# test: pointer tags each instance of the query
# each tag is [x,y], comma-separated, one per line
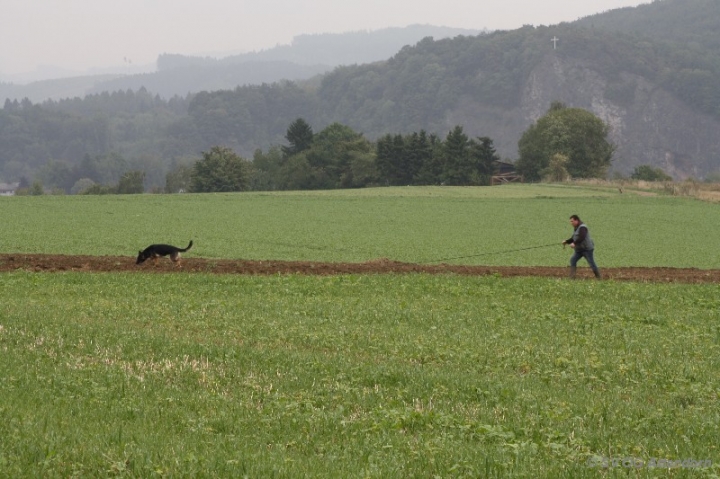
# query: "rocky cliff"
[649,125]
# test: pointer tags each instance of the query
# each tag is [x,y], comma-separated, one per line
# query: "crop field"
[411,224]
[406,372]
[115,374]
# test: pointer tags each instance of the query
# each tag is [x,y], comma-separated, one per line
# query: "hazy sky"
[84,34]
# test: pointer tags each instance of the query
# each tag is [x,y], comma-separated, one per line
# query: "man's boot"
[597,273]
[573,269]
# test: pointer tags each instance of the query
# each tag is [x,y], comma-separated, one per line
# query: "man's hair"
[575,217]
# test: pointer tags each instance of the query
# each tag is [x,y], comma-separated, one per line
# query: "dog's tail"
[188,247]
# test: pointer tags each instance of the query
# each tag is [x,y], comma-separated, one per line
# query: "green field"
[352,376]
[410,224]
[195,375]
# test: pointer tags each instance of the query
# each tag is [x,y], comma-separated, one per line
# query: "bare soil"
[60,263]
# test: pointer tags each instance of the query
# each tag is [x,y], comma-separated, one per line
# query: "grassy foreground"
[353,376]
[413,224]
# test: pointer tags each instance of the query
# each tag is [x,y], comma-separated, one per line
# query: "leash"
[321,248]
[488,254]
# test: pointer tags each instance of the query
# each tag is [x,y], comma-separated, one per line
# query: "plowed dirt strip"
[59,263]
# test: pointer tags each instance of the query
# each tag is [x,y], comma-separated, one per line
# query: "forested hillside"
[177,74]
[663,104]
[305,57]
[695,23]
[660,99]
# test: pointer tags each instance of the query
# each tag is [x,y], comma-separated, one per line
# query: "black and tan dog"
[154,251]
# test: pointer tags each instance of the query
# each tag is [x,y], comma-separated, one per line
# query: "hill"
[306,57]
[39,91]
[691,22]
[331,49]
[659,96]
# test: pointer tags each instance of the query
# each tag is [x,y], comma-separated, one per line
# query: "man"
[583,245]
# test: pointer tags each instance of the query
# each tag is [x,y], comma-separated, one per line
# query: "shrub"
[648,173]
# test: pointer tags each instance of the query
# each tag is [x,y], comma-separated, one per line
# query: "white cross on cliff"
[554,39]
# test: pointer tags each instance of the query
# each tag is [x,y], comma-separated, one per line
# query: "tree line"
[339,157]
[565,142]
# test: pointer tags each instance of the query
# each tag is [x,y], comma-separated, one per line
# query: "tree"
[87,168]
[391,154]
[418,150]
[57,174]
[362,170]
[98,189]
[266,169]
[556,170]
[178,179]
[386,159]
[402,172]
[132,182]
[457,162]
[81,185]
[220,169]
[297,174]
[648,173]
[300,136]
[573,132]
[332,153]
[37,189]
[430,172]
[483,155]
